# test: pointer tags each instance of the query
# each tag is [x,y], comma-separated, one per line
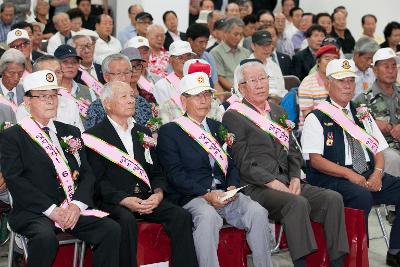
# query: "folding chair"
[381,224]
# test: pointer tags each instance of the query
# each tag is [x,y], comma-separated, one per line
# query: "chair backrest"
[291,81]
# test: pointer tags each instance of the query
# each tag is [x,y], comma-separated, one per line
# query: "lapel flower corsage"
[5,125]
[286,123]
[154,123]
[71,144]
[227,137]
[364,115]
[147,142]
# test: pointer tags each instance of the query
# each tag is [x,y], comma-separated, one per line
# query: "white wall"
[385,10]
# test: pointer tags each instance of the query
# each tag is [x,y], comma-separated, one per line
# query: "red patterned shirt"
[158,64]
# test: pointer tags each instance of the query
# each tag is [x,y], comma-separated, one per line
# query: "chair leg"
[11,249]
[24,242]
[82,256]
[381,224]
[278,242]
[75,260]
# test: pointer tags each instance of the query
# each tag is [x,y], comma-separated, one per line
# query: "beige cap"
[180,47]
[137,41]
[41,80]
[195,83]
[385,53]
[341,68]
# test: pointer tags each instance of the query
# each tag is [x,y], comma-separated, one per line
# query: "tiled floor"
[377,250]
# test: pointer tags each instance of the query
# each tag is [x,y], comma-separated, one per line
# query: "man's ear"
[184,102]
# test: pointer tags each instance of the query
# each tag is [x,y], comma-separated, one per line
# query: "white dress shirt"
[364,81]
[125,135]
[163,91]
[312,138]
[55,41]
[103,49]
[91,70]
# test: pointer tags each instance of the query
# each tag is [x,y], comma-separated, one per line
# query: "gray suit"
[260,160]
[20,93]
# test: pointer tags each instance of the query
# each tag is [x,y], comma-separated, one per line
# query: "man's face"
[12,74]
[266,20]
[341,91]
[232,10]
[369,26]
[70,67]
[305,23]
[171,22]
[325,22]
[197,106]
[233,37]
[145,53]
[118,71]
[249,29]
[262,52]
[63,23]
[37,35]
[339,21]
[178,61]
[287,6]
[386,71]
[280,21]
[315,40]
[216,15]
[133,12]
[245,9]
[207,5]
[198,45]
[42,104]
[54,66]
[324,60]
[84,49]
[297,17]
[7,15]
[76,24]
[156,38]
[22,45]
[142,25]
[105,27]
[363,61]
[122,102]
[255,87]
[85,7]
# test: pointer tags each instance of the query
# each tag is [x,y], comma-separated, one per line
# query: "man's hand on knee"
[214,198]
[72,216]
[278,185]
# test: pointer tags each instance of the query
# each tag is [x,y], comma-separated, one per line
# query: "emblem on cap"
[49,77]
[140,40]
[200,79]
[18,33]
[346,65]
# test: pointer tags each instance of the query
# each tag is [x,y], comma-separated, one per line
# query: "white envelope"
[231,193]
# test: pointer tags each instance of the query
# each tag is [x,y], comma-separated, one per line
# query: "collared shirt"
[126,34]
[158,64]
[5,91]
[298,39]
[4,29]
[290,29]
[91,70]
[210,59]
[125,134]
[163,91]
[364,81]
[227,58]
[56,142]
[174,36]
[103,49]
[55,41]
[211,41]
[312,138]
[284,45]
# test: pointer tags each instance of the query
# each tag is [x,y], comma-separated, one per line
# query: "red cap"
[196,65]
[327,49]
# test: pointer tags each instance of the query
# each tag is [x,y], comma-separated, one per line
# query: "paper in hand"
[231,193]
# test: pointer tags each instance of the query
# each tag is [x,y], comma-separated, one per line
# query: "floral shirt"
[158,64]
[97,114]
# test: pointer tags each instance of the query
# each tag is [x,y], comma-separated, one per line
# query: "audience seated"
[368,23]
[106,44]
[172,34]
[340,31]
[62,23]
[7,18]
[158,62]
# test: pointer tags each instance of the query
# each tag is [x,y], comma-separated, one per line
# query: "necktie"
[46,130]
[10,97]
[357,154]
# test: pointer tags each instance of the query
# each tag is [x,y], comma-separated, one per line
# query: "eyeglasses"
[138,67]
[45,98]
[255,81]
[125,73]
[82,47]
[21,46]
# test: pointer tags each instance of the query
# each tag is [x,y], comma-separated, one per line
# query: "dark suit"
[285,63]
[32,181]
[115,183]
[99,74]
[260,160]
[168,39]
[303,61]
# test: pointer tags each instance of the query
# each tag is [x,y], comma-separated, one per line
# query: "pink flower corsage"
[363,112]
[71,144]
[146,141]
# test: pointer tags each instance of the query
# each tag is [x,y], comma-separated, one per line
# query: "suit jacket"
[31,176]
[258,156]
[6,115]
[285,63]
[187,164]
[99,74]
[303,62]
[168,39]
[113,182]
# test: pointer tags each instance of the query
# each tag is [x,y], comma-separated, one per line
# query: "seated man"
[199,171]
[125,190]
[51,186]
[270,163]
[339,161]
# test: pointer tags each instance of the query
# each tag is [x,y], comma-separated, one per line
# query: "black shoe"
[393,260]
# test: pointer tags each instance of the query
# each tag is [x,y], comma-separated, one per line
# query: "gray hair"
[12,55]
[238,76]
[366,45]
[56,16]
[109,88]
[105,66]
[71,41]
[153,27]
[232,22]
[36,66]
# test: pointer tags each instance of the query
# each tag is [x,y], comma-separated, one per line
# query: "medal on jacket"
[329,139]
[136,189]
[75,175]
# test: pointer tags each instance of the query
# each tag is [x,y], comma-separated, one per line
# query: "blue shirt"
[210,59]
[126,33]
[4,29]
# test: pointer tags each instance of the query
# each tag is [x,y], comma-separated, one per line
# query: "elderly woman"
[117,67]
[41,11]
[12,67]
[312,89]
[159,57]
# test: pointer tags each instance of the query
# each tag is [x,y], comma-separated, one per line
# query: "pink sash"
[268,126]
[349,126]
[145,84]
[91,82]
[60,164]
[116,156]
[232,99]
[176,97]
[205,140]
[83,104]
[5,101]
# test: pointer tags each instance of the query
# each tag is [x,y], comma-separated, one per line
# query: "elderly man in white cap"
[180,52]
[19,39]
[344,147]
[50,180]
[199,172]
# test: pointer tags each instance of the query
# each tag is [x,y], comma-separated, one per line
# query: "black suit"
[32,181]
[168,39]
[285,63]
[115,183]
[99,73]
[303,62]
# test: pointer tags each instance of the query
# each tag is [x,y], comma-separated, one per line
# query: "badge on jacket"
[329,139]
[136,189]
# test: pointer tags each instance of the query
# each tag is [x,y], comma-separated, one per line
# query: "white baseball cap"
[341,68]
[89,33]
[195,83]
[179,48]
[385,53]
[137,41]
[17,34]
[41,80]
